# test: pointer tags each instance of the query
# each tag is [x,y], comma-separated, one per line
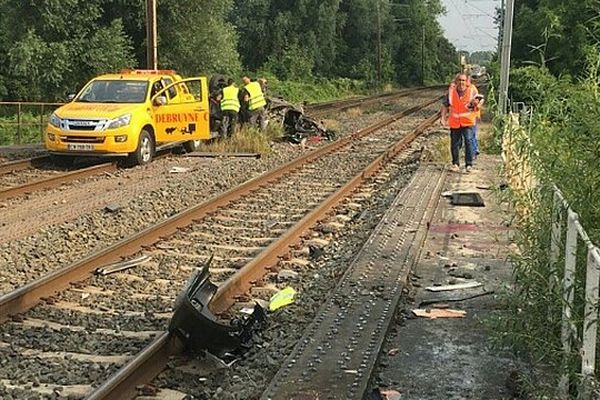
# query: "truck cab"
[128,115]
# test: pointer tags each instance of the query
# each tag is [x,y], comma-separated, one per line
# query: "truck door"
[181,113]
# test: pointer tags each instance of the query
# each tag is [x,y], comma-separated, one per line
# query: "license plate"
[80,147]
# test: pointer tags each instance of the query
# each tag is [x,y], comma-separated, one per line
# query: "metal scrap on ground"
[433,313]
[297,126]
[123,265]
[466,285]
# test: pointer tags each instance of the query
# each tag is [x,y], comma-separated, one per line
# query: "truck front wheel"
[145,150]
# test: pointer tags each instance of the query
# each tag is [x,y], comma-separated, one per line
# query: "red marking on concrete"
[451,228]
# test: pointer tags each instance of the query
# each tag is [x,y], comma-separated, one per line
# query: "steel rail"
[123,384]
[19,165]
[57,180]
[27,296]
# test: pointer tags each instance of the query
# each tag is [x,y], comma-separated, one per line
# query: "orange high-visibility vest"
[460,115]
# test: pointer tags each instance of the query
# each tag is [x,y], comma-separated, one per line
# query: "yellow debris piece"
[282,298]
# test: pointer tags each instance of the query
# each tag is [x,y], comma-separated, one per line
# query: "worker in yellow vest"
[256,101]
[230,107]
[459,111]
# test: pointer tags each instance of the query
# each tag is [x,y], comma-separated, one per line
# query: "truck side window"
[172,91]
[156,87]
[195,89]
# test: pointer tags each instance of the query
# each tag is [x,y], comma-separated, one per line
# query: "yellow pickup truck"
[129,115]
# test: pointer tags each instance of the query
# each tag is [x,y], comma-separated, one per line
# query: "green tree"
[57,46]
[555,34]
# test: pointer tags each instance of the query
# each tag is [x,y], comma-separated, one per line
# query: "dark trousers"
[457,137]
[228,123]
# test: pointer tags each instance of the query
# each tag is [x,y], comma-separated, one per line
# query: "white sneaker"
[468,169]
[454,168]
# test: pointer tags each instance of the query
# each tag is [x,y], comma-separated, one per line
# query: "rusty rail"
[124,382]
[19,165]
[57,180]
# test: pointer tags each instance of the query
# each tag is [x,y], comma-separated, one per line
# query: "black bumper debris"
[199,328]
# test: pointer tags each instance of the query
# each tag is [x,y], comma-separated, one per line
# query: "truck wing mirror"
[160,101]
[70,97]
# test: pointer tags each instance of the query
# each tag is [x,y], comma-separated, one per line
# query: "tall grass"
[29,131]
[561,138]
[246,140]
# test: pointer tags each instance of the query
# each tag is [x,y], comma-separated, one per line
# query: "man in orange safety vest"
[459,112]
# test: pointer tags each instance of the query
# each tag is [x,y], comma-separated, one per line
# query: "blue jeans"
[474,144]
[457,136]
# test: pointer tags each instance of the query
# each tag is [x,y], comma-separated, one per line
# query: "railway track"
[342,105]
[32,179]
[251,219]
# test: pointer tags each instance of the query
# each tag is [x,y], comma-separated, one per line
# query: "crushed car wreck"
[297,126]
[199,328]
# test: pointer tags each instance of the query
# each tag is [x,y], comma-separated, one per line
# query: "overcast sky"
[469,24]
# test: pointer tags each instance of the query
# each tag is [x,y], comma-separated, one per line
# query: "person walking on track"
[459,112]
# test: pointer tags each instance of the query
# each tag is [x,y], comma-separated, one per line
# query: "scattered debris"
[147,390]
[297,126]
[123,265]
[470,199]
[433,313]
[436,301]
[199,328]
[287,275]
[385,394]
[458,286]
[282,298]
[178,170]
[113,207]
[393,352]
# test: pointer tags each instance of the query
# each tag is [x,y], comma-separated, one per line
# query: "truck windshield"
[114,91]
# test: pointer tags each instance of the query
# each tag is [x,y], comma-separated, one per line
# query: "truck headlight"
[51,136]
[123,120]
[55,121]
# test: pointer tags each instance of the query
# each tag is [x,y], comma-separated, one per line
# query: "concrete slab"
[452,358]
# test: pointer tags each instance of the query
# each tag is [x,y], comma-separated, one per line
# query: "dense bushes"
[561,137]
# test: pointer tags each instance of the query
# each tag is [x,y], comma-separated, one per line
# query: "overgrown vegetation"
[560,136]
[246,140]
[27,130]
[315,90]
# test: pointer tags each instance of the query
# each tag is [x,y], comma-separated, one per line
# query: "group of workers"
[246,105]
[461,111]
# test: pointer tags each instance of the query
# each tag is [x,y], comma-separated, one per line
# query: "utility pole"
[505,56]
[378,42]
[423,57]
[151,35]
[500,28]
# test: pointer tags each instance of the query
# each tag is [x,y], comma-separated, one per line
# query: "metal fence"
[24,122]
[576,334]
[586,335]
